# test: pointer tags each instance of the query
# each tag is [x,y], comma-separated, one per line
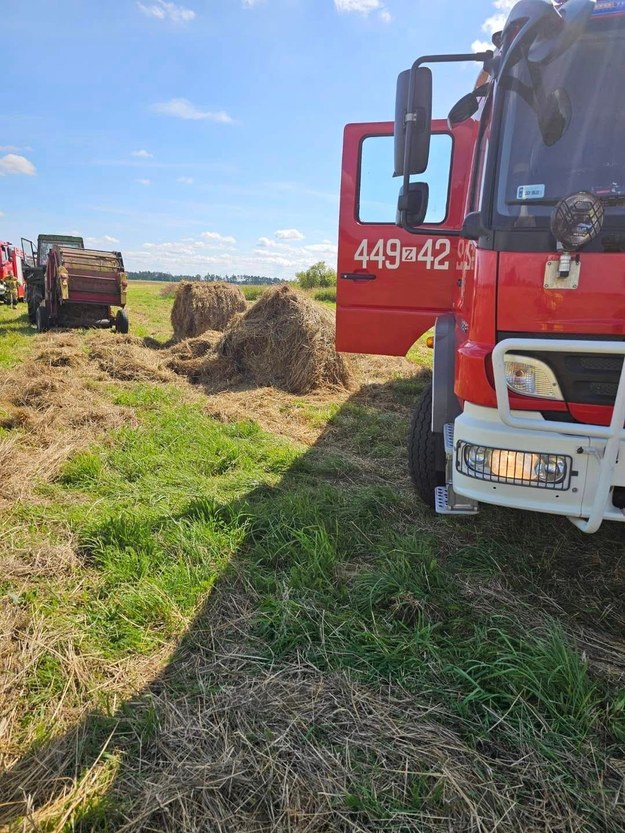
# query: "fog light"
[514,465]
[516,468]
[577,220]
[550,469]
[477,457]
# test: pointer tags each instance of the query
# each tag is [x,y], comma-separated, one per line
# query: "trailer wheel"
[121,321]
[43,319]
[34,300]
[426,451]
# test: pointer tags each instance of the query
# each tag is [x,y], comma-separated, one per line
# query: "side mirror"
[413,205]
[555,116]
[462,110]
[413,121]
[574,16]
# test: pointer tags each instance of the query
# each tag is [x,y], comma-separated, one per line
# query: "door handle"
[357,276]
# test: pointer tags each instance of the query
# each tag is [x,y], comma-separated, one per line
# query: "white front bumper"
[483,427]
[597,452]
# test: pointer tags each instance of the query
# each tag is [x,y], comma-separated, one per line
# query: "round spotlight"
[577,220]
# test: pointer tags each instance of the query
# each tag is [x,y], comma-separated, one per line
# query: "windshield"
[46,245]
[564,131]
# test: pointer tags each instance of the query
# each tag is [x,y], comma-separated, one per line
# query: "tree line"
[167,277]
[318,275]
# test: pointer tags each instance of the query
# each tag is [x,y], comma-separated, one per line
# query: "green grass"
[149,309]
[15,335]
[326,295]
[253,292]
[177,519]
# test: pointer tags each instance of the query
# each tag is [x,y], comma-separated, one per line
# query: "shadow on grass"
[360,665]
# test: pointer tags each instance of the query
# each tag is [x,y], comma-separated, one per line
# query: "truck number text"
[390,254]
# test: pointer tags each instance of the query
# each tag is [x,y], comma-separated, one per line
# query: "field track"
[222,609]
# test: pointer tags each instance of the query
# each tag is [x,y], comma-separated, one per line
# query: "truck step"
[448,434]
[460,505]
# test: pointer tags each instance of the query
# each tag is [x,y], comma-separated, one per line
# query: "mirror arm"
[411,119]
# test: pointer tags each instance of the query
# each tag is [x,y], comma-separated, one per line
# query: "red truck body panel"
[596,307]
[408,280]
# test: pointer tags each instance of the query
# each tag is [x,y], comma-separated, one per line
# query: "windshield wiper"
[607,199]
[532,202]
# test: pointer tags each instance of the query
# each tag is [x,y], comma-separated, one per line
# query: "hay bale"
[204,306]
[286,341]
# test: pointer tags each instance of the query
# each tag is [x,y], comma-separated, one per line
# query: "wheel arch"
[445,405]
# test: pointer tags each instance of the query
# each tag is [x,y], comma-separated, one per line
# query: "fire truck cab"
[11,259]
[506,235]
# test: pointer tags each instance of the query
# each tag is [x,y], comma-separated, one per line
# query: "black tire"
[43,319]
[121,322]
[426,451]
[35,297]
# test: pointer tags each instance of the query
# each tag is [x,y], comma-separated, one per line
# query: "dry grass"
[286,341]
[199,307]
[125,359]
[220,735]
[54,409]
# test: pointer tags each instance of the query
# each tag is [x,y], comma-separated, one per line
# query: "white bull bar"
[613,434]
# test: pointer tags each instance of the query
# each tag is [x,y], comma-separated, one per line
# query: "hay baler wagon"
[77,287]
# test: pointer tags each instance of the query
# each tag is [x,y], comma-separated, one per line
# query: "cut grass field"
[228,612]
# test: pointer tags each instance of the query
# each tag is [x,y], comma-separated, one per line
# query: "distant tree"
[318,275]
[167,277]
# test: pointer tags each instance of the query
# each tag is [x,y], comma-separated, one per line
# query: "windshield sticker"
[530,192]
[610,7]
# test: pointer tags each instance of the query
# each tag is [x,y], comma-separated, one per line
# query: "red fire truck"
[11,259]
[508,238]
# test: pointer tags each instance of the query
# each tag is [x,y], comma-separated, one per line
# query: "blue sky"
[205,135]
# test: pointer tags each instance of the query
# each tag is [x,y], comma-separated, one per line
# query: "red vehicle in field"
[70,286]
[508,239]
[11,259]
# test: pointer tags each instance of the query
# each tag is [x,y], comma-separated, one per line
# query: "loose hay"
[126,361]
[286,341]
[199,307]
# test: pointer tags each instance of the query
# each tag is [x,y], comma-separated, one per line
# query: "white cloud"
[364,7]
[215,252]
[185,180]
[162,10]
[143,154]
[493,23]
[289,234]
[182,108]
[326,247]
[215,237]
[13,148]
[249,3]
[144,181]
[361,6]
[14,164]
[481,46]
[105,239]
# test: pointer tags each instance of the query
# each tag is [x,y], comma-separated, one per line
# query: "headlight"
[531,377]
[517,468]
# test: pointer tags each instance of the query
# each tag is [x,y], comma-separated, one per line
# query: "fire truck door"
[392,285]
